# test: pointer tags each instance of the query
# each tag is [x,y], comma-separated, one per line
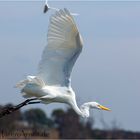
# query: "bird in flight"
[53,80]
[47,7]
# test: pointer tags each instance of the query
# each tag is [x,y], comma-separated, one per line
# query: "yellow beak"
[104,108]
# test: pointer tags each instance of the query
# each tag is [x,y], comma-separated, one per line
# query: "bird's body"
[52,83]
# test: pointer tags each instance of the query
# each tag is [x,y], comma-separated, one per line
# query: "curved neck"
[83,110]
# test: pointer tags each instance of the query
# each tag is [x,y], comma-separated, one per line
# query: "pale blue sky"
[108,70]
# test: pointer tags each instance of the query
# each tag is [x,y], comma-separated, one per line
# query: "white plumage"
[52,83]
[64,46]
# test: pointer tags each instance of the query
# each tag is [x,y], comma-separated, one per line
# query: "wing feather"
[63,48]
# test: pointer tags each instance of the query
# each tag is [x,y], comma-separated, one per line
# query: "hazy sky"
[107,71]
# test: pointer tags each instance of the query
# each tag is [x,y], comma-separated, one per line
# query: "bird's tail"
[30,79]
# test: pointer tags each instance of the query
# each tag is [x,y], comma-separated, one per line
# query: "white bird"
[52,83]
[47,7]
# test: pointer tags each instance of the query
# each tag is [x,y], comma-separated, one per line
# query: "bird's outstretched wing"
[63,48]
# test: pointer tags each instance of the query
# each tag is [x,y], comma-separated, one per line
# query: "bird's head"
[98,106]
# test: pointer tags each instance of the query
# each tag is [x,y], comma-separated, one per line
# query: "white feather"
[52,84]
[63,48]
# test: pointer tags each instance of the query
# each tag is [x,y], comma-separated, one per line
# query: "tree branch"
[9,110]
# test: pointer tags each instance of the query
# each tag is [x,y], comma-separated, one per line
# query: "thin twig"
[9,110]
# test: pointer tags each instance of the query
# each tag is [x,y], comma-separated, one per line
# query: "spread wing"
[63,48]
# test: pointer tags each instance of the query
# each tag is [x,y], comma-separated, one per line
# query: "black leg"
[9,110]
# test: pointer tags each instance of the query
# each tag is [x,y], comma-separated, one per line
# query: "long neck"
[83,110]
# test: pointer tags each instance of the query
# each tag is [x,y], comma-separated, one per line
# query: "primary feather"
[63,48]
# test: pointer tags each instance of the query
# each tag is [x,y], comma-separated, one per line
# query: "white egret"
[47,7]
[52,83]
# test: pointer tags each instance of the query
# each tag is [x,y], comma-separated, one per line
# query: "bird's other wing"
[63,48]
[46,6]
